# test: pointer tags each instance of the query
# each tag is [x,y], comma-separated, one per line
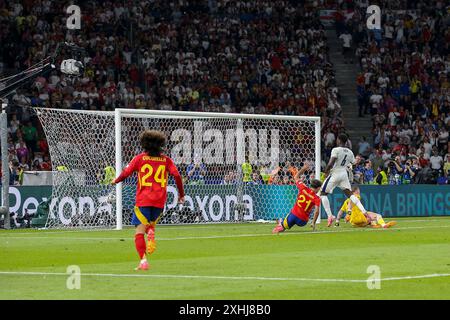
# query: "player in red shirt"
[153,168]
[307,199]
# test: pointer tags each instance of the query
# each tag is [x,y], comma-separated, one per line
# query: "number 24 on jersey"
[147,176]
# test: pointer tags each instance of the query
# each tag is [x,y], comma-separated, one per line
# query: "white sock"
[143,260]
[358,203]
[326,205]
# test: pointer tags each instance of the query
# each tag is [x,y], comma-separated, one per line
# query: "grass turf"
[231,261]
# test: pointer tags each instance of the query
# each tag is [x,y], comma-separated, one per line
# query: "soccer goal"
[235,167]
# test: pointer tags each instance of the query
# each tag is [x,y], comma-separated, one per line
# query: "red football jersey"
[306,200]
[151,189]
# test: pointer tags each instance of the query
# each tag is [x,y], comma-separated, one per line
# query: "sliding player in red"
[307,199]
[152,167]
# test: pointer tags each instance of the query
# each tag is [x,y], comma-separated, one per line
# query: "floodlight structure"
[72,67]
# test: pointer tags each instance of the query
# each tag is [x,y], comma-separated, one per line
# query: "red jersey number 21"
[301,202]
[147,172]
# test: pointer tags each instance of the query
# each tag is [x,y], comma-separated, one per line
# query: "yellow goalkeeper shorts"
[358,219]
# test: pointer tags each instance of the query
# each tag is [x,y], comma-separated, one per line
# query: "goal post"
[235,167]
[118,166]
[318,151]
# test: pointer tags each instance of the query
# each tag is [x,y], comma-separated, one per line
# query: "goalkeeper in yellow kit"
[359,219]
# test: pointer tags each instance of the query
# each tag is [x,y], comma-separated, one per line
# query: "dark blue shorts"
[292,220]
[145,215]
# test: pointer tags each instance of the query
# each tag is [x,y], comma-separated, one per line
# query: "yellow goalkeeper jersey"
[357,218]
[345,204]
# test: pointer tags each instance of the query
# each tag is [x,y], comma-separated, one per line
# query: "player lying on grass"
[336,175]
[359,219]
[307,199]
[152,167]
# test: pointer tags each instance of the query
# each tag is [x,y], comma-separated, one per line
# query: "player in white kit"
[336,175]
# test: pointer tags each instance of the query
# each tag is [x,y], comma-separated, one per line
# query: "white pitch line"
[160,226]
[298,233]
[414,220]
[434,275]
[200,226]
[268,234]
[175,276]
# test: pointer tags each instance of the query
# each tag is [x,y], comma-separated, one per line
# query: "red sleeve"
[178,180]
[317,201]
[300,185]
[129,169]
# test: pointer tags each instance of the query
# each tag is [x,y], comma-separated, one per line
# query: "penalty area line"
[267,234]
[199,226]
[127,228]
[206,277]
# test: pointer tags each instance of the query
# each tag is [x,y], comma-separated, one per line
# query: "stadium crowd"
[233,56]
[221,56]
[404,86]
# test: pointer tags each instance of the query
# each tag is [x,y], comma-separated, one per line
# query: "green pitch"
[232,261]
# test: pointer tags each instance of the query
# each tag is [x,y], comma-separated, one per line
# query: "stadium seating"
[241,56]
[404,85]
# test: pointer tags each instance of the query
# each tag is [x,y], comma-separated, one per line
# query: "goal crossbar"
[199,115]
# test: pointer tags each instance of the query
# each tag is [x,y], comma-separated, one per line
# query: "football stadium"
[225,150]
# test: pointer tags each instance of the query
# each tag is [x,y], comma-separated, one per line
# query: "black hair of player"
[316,183]
[355,188]
[343,138]
[153,142]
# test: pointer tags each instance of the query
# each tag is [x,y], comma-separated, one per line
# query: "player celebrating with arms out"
[307,199]
[336,175]
[152,167]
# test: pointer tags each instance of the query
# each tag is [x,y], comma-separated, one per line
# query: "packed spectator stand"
[404,87]
[267,57]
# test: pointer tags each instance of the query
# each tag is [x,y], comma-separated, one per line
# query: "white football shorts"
[336,179]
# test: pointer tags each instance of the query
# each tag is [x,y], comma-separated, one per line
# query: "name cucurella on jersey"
[158,159]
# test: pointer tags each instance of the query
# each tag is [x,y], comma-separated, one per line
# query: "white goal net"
[235,167]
